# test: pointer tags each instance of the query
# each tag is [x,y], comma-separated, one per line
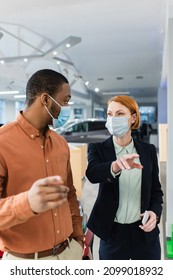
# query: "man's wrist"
[79,238]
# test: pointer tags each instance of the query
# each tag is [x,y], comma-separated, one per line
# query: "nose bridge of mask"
[117,126]
[118,121]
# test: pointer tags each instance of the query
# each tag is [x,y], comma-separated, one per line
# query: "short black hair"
[45,80]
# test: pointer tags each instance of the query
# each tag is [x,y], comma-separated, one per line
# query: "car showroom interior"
[104,49]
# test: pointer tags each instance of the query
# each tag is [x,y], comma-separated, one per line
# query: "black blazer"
[100,157]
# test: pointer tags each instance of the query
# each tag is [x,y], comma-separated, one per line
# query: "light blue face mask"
[63,115]
[117,126]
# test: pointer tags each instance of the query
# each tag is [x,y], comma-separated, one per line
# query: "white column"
[169,197]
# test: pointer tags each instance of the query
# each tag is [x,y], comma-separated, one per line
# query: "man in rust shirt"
[39,211]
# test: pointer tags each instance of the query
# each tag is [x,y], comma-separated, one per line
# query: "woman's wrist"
[115,167]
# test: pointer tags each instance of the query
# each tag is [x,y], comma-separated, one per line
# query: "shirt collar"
[29,129]
[129,148]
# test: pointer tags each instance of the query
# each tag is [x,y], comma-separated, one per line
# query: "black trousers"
[128,241]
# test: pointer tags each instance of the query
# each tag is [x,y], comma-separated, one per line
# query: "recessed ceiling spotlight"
[58,62]
[96,89]
[119,78]
[55,53]
[2,61]
[25,60]
[87,83]
[139,77]
[68,45]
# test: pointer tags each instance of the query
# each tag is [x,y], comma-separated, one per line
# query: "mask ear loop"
[48,112]
[54,101]
[46,101]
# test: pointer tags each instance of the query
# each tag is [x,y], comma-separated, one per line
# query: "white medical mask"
[63,115]
[117,126]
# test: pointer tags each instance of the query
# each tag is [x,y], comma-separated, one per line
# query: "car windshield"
[64,127]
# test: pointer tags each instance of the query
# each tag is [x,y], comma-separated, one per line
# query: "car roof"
[77,121]
[89,119]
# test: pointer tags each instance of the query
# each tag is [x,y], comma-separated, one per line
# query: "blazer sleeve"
[99,165]
[156,195]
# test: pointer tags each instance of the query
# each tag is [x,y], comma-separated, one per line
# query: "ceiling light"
[58,62]
[9,92]
[68,45]
[62,60]
[96,89]
[20,96]
[87,83]
[115,93]
[2,61]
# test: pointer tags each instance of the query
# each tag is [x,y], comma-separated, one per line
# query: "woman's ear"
[133,118]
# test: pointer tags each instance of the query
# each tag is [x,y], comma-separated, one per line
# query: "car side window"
[74,128]
[79,127]
[92,126]
[83,127]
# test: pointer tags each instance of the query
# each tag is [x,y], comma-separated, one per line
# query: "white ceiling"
[119,38]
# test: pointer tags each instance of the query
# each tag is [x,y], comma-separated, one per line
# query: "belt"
[51,252]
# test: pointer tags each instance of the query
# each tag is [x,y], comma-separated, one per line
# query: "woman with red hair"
[128,176]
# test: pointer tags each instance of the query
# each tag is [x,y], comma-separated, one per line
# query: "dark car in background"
[84,131]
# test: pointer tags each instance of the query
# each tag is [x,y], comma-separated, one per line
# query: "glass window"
[78,113]
[2,111]
[19,106]
[148,114]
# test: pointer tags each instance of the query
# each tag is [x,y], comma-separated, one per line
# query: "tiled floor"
[89,194]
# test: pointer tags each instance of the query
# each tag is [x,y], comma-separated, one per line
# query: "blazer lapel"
[109,150]
[145,160]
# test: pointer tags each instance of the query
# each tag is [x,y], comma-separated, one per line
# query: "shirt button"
[57,231]
[55,214]
[47,160]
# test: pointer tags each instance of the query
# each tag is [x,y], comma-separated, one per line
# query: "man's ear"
[44,99]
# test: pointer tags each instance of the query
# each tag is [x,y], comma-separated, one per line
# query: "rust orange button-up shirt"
[23,160]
